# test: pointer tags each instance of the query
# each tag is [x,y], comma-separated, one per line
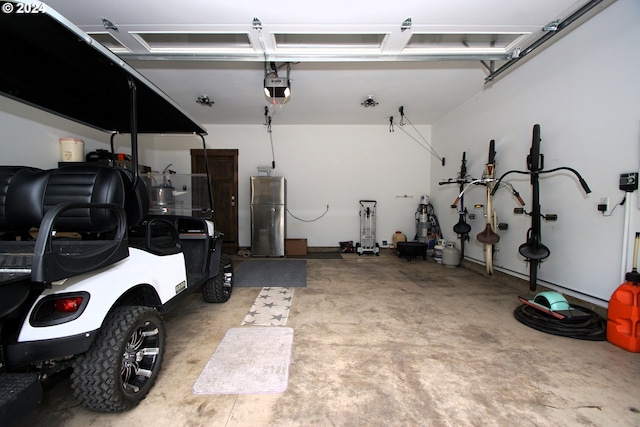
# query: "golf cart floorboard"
[15,261]
[19,395]
[16,258]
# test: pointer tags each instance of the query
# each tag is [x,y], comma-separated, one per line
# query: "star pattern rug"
[271,307]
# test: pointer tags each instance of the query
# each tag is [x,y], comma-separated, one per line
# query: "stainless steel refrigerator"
[268,215]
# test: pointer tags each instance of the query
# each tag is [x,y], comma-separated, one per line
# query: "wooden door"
[223,168]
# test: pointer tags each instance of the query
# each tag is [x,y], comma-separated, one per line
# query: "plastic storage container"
[71,150]
[623,324]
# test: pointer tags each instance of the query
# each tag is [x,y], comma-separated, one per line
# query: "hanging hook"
[267,119]
[391,129]
[426,144]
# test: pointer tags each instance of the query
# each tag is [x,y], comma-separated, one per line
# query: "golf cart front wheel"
[122,365]
[218,289]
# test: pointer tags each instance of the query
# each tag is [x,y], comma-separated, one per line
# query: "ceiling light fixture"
[204,100]
[369,102]
[277,89]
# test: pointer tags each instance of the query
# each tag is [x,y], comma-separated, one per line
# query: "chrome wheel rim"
[140,357]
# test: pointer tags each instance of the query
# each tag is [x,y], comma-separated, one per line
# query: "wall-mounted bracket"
[406,25]
[551,26]
[108,25]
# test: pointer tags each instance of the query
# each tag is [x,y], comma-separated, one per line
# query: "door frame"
[223,152]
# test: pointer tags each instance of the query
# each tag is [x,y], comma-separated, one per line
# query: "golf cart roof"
[49,63]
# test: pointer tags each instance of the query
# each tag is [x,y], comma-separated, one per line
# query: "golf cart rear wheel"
[218,289]
[122,365]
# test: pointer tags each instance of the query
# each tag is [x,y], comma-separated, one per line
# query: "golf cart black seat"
[8,229]
[136,203]
[153,233]
[84,200]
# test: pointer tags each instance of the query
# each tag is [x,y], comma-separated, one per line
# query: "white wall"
[33,141]
[338,165]
[30,136]
[584,91]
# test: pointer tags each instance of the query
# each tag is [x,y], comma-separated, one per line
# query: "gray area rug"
[248,360]
[276,273]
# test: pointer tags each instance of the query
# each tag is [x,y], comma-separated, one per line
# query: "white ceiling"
[328,84]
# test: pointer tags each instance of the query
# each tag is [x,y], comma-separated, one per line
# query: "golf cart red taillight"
[67,305]
[56,309]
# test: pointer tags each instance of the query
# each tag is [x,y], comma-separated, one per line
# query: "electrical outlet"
[603,206]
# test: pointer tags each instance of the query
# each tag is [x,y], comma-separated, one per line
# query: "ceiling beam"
[260,57]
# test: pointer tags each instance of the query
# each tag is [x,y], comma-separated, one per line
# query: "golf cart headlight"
[57,309]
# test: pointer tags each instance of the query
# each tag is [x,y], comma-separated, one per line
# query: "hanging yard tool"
[422,141]
[533,249]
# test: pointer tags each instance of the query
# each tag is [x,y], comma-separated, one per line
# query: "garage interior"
[385,100]
[381,341]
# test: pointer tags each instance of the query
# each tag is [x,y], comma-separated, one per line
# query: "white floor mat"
[249,360]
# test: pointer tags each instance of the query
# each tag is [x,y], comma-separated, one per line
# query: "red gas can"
[623,325]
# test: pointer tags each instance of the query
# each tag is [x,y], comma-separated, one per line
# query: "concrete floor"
[381,341]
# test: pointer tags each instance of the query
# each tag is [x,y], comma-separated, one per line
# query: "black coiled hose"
[591,327]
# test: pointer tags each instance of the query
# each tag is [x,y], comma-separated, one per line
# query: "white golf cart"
[86,271]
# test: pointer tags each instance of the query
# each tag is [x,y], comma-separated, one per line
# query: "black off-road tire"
[218,289]
[122,365]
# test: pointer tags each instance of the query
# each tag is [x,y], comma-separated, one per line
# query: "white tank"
[450,255]
[438,250]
